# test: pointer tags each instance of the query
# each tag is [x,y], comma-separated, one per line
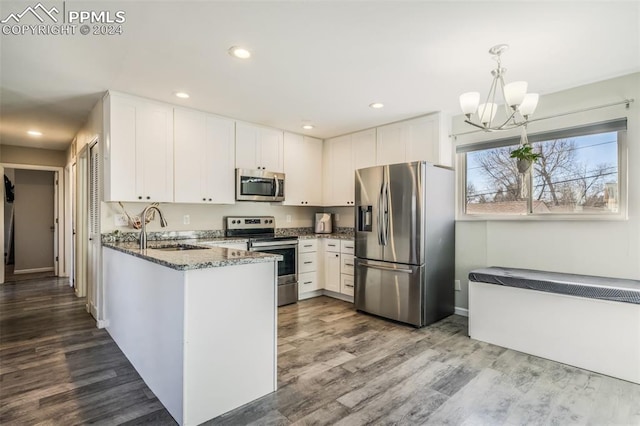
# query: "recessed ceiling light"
[34,133]
[376,105]
[182,95]
[307,126]
[239,52]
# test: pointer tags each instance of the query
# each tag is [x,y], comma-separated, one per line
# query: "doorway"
[32,239]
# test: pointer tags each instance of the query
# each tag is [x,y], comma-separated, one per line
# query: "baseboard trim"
[32,270]
[461,311]
[102,323]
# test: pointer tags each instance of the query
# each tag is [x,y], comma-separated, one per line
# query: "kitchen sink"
[179,247]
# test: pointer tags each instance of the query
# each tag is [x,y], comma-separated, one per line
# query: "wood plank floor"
[335,366]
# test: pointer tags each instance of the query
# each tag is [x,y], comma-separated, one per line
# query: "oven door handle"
[264,247]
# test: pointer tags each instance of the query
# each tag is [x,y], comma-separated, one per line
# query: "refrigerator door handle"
[386,213]
[381,216]
[386,268]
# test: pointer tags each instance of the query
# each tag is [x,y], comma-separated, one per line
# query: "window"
[577,173]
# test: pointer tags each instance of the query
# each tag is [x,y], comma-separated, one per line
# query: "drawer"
[346,264]
[307,262]
[332,245]
[347,285]
[306,246]
[307,282]
[347,247]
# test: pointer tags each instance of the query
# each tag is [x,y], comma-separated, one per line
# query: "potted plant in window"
[525,156]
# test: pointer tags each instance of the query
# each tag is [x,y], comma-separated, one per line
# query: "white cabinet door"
[421,139]
[339,178]
[332,271]
[347,285]
[219,166]
[120,151]
[139,149]
[302,168]
[204,158]
[247,151]
[189,134]
[363,148]
[259,147]
[391,144]
[154,151]
[271,149]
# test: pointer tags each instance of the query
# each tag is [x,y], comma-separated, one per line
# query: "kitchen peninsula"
[199,325]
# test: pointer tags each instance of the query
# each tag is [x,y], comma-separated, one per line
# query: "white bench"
[584,321]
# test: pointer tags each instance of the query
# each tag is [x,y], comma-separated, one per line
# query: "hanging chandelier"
[518,104]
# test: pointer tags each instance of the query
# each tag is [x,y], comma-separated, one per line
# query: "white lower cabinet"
[325,264]
[308,269]
[332,271]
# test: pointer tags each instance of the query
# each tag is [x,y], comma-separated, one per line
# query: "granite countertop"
[208,257]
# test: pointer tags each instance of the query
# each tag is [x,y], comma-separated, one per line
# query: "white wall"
[605,248]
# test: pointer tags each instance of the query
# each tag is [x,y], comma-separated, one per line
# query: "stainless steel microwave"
[259,185]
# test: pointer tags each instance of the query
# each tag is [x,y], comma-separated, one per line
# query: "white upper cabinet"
[138,155]
[204,158]
[363,147]
[303,170]
[259,147]
[342,156]
[425,138]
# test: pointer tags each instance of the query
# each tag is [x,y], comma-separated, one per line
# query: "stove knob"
[233,221]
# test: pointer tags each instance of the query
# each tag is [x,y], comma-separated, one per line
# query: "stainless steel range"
[261,233]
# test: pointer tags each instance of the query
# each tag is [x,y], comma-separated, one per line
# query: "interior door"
[369,185]
[81,226]
[404,205]
[93,225]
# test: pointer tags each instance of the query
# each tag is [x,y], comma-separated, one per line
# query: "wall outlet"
[186,219]
[456,284]
[337,217]
[120,220]
[288,218]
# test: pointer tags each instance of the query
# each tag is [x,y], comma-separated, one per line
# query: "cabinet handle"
[148,198]
[209,199]
[307,263]
[349,285]
[204,199]
[307,282]
[139,197]
[337,255]
[331,245]
[348,264]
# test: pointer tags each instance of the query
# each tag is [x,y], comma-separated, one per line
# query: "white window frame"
[461,166]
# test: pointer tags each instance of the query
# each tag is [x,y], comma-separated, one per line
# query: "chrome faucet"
[143,232]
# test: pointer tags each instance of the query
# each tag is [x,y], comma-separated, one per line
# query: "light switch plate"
[337,216]
[457,285]
[288,218]
[120,220]
[186,219]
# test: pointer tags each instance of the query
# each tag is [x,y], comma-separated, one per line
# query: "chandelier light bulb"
[529,104]
[514,93]
[469,102]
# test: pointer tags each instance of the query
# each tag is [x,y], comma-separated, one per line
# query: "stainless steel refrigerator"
[405,235]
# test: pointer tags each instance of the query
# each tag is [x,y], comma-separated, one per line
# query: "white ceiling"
[322,62]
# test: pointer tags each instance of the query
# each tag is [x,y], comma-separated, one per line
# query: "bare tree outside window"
[573,175]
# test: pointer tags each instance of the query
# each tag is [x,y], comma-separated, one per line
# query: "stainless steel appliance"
[323,223]
[405,242]
[259,185]
[261,233]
